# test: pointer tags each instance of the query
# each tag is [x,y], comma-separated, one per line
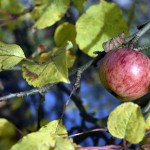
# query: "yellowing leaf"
[148,122]
[35,141]
[99,24]
[52,71]
[65,32]
[51,128]
[49,12]
[7,129]
[46,139]
[10,55]
[127,122]
[63,144]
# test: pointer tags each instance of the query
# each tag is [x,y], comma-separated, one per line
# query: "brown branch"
[93,62]
[86,132]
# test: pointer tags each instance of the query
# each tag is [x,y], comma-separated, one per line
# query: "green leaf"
[99,24]
[127,122]
[148,122]
[10,55]
[6,143]
[65,32]
[35,141]
[51,71]
[46,139]
[5,124]
[79,4]
[49,12]
[11,6]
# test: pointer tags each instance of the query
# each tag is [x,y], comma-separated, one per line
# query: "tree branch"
[81,108]
[27,93]
[93,62]
[138,34]
[47,87]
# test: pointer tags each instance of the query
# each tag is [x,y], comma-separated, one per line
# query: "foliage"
[51,136]
[93,31]
[40,74]
[94,26]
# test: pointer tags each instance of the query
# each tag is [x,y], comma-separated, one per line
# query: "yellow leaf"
[99,24]
[127,122]
[51,71]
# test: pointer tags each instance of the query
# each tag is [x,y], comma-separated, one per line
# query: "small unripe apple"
[126,73]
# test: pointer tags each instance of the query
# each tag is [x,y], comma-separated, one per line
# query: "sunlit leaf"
[10,55]
[49,12]
[63,144]
[99,24]
[65,32]
[35,141]
[51,128]
[127,122]
[46,139]
[53,70]
[148,122]
[79,4]
[5,124]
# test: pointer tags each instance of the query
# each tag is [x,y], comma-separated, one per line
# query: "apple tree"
[52,52]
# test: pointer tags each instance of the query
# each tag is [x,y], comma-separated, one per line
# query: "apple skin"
[126,73]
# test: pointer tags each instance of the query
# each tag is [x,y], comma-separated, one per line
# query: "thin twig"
[64,108]
[138,34]
[146,108]
[39,112]
[27,93]
[86,132]
[17,68]
[47,87]
[77,101]
[75,86]
[15,16]
[109,147]
[91,62]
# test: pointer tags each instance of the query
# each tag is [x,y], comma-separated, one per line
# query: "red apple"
[126,72]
